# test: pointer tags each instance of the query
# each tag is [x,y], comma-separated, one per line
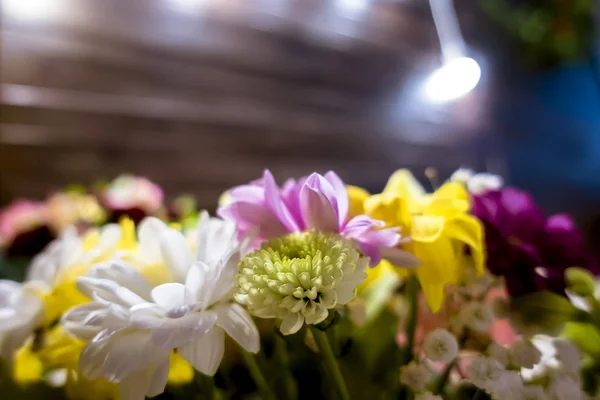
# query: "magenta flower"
[528,249]
[315,202]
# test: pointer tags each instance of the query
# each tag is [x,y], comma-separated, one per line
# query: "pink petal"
[341,195]
[275,203]
[317,212]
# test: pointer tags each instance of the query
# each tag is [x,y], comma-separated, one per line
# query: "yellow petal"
[128,240]
[439,268]
[386,208]
[425,228]
[402,183]
[468,230]
[356,199]
[452,190]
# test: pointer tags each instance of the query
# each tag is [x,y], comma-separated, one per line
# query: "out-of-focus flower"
[509,387]
[440,345]
[135,327]
[529,250]
[485,373]
[132,196]
[21,311]
[498,353]
[315,202]
[27,367]
[524,354]
[71,208]
[427,396]
[477,183]
[440,228]
[477,316]
[415,375]
[300,277]
[534,392]
[24,229]
[568,356]
[565,388]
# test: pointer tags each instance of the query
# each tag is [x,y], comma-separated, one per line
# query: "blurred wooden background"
[201,96]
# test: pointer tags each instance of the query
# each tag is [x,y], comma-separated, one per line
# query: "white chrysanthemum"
[568,355]
[534,392]
[485,373]
[134,327]
[440,345]
[21,310]
[415,376]
[523,353]
[427,396]
[564,388]
[498,353]
[298,278]
[476,316]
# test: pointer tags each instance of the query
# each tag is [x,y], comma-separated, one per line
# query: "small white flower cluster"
[506,373]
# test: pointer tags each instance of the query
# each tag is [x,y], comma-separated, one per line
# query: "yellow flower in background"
[357,197]
[439,225]
[180,371]
[28,367]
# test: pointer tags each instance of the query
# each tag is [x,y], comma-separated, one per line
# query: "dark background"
[202,95]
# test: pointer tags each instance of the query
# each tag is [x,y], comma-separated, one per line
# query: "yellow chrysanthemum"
[357,197]
[440,227]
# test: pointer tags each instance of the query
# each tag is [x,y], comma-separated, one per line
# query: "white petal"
[136,385]
[108,291]
[238,324]
[216,238]
[169,295]
[176,253]
[194,282]
[291,323]
[91,359]
[149,232]
[130,351]
[206,351]
[123,274]
[329,299]
[158,380]
[345,292]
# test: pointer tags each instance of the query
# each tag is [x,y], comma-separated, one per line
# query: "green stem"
[412,291]
[207,387]
[439,386]
[284,361]
[257,375]
[330,362]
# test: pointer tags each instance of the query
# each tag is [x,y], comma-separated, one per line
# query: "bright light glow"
[188,5]
[453,80]
[30,10]
[351,8]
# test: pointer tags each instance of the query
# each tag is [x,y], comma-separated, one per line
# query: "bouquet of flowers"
[312,289]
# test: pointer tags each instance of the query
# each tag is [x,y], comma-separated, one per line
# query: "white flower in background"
[477,183]
[427,396]
[135,326]
[523,353]
[485,373]
[564,388]
[415,375]
[568,356]
[508,387]
[534,392]
[21,311]
[476,316]
[440,345]
[70,250]
[299,277]
[498,353]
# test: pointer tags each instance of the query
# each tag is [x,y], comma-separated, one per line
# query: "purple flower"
[530,250]
[315,202]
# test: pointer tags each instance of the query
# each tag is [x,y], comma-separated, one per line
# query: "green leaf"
[585,336]
[543,311]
